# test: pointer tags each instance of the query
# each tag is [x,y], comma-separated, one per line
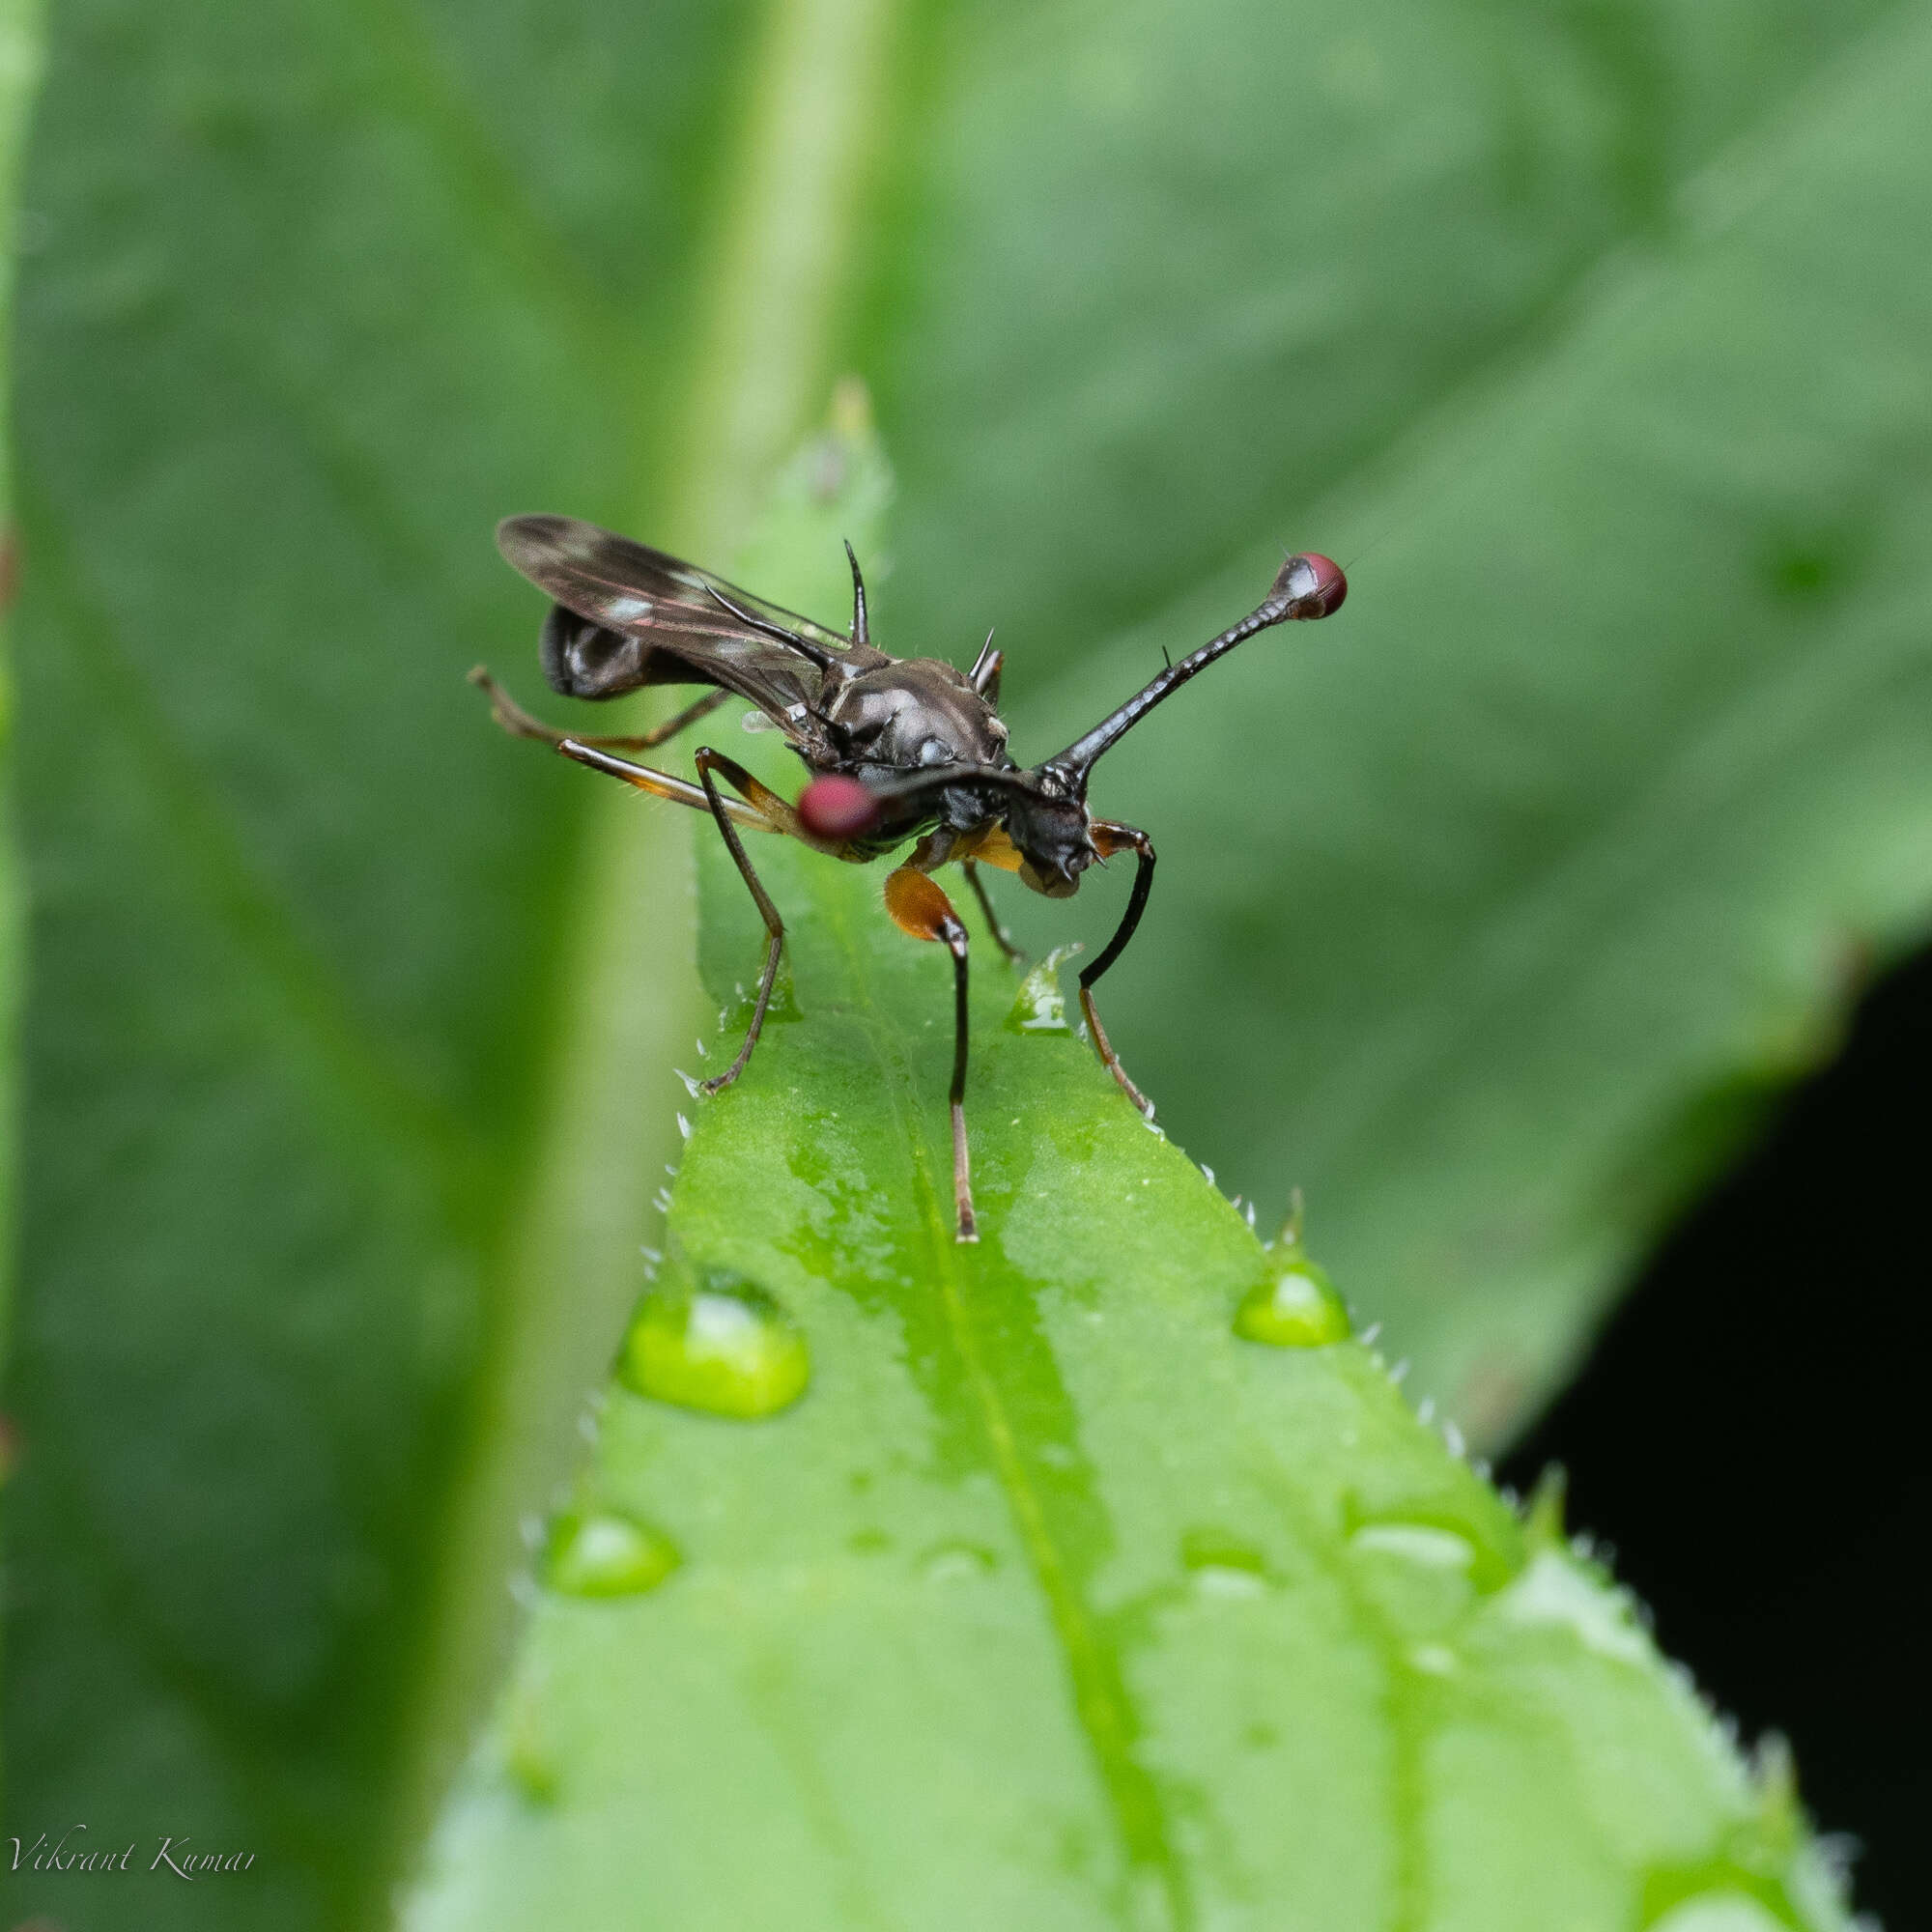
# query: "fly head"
[1048,825]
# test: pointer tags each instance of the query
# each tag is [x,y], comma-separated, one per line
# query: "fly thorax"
[917,715]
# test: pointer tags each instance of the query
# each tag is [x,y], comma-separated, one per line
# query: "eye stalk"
[1306,587]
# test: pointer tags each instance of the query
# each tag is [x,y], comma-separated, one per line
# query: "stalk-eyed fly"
[899,749]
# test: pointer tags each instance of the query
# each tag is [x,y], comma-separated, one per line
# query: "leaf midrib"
[1132,1796]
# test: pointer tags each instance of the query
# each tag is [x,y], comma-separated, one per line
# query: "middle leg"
[918,907]
[1001,938]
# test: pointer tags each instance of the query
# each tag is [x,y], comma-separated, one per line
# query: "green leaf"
[347,1021]
[1049,1600]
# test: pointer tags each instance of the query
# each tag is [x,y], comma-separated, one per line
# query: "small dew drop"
[1212,1581]
[526,1755]
[1727,1911]
[1419,1542]
[1042,1007]
[600,1553]
[1221,1563]
[1298,1307]
[1557,1593]
[956,1563]
[723,1345]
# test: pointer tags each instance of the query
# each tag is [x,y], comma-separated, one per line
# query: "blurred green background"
[1590,337]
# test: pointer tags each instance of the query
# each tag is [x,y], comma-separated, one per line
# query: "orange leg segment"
[920,908]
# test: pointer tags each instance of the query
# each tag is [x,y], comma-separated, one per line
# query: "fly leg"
[979,892]
[918,907]
[662,784]
[730,815]
[1112,836]
[519,722]
[740,780]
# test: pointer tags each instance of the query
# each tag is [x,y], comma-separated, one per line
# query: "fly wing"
[628,615]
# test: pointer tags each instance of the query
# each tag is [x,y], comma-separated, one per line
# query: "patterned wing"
[628,615]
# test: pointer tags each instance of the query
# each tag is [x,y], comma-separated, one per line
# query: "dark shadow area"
[1752,1437]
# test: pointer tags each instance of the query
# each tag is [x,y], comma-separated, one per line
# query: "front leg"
[1111,837]
[708,761]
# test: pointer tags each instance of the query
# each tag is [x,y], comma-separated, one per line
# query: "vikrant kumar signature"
[73,1852]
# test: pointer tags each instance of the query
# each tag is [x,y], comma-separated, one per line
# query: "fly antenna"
[1305,586]
[861,634]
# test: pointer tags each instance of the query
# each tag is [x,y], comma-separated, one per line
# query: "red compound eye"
[1329,587]
[837,807]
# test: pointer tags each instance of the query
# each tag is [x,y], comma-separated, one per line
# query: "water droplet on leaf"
[600,1553]
[1296,1308]
[1719,1912]
[1221,1563]
[1555,1591]
[956,1563]
[722,1345]
[526,1746]
[1042,1007]
[1421,1543]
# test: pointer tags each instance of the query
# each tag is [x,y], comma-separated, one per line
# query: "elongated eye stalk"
[1306,587]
